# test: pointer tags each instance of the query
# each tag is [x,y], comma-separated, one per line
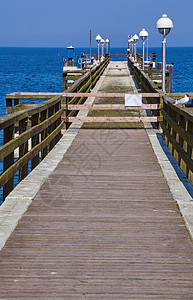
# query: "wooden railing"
[177,129]
[118,57]
[110,107]
[146,85]
[177,124]
[42,126]
[83,85]
[35,130]
[156,77]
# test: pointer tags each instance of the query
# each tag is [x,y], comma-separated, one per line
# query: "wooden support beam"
[35,140]
[114,119]
[112,107]
[8,161]
[23,149]
[108,95]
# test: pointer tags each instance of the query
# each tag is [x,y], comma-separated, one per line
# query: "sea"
[40,70]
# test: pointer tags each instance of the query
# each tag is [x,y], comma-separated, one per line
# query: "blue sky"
[58,23]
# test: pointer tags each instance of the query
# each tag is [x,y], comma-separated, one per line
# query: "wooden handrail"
[108,95]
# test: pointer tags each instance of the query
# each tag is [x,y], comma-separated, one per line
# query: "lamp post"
[98,39]
[143,35]
[164,25]
[131,41]
[107,45]
[135,39]
[102,44]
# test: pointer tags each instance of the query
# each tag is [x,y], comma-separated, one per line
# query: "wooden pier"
[104,223]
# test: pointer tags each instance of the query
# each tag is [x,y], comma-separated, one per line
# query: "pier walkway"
[104,224]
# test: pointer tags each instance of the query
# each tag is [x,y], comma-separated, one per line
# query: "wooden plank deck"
[103,226]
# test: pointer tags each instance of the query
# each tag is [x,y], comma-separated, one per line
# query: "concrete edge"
[180,187]
[18,201]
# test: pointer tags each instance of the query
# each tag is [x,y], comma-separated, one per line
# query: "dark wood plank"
[103,226]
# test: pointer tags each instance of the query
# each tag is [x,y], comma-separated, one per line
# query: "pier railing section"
[177,124]
[146,85]
[38,129]
[109,107]
[30,132]
[83,85]
[177,129]
[74,80]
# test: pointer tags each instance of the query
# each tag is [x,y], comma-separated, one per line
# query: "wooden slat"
[111,107]
[108,95]
[31,95]
[113,119]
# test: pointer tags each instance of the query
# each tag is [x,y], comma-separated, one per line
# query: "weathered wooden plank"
[23,148]
[179,95]
[113,119]
[30,95]
[108,95]
[112,107]
[8,161]
[35,119]
[108,230]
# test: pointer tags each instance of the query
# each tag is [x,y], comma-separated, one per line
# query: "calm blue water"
[40,70]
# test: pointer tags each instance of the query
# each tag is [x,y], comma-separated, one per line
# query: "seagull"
[182,101]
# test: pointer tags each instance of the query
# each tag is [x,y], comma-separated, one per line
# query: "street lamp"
[129,38]
[98,39]
[135,39]
[107,45]
[131,41]
[102,44]
[164,25]
[143,35]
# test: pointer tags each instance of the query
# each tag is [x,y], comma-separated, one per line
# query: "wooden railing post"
[51,111]
[8,160]
[8,105]
[35,140]
[189,173]
[182,123]
[16,102]
[66,111]
[44,134]
[64,74]
[23,126]
[57,123]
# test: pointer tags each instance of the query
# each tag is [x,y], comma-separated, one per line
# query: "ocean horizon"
[39,69]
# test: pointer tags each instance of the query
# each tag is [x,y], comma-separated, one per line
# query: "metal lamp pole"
[107,45]
[102,44]
[143,35]
[135,39]
[98,39]
[164,25]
